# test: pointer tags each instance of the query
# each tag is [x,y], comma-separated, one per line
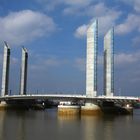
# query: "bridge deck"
[70,97]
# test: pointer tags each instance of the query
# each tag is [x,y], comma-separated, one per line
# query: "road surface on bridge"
[66,97]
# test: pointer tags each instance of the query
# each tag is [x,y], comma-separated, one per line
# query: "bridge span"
[71,104]
[66,97]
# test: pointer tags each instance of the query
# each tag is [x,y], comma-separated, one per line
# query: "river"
[47,125]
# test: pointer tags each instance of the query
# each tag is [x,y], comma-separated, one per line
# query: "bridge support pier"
[69,110]
[66,108]
[91,108]
[3,105]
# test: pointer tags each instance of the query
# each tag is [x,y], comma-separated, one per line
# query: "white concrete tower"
[91,64]
[24,63]
[109,63]
[5,71]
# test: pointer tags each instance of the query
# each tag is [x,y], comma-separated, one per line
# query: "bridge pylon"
[109,63]
[23,74]
[5,70]
[91,61]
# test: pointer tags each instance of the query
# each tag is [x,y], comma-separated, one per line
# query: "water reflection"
[12,127]
[90,126]
[108,127]
[42,125]
[2,116]
[21,134]
[68,127]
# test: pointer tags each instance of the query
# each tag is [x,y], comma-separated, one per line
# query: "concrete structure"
[66,97]
[5,71]
[91,64]
[67,108]
[89,104]
[109,63]
[91,107]
[23,79]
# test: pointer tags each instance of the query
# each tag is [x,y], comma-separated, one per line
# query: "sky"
[54,33]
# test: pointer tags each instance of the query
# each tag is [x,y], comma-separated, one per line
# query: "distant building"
[91,64]
[109,63]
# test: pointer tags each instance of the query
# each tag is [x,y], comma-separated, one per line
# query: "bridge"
[77,102]
[90,100]
[66,97]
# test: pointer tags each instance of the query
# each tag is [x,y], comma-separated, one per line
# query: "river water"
[47,125]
